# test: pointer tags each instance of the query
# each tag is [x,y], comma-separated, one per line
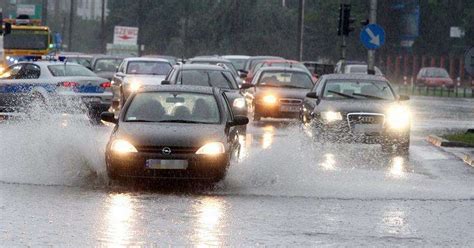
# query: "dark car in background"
[434,77]
[105,65]
[251,63]
[357,108]
[173,132]
[211,76]
[216,61]
[238,61]
[278,92]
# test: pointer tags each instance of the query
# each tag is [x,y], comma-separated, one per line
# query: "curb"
[438,141]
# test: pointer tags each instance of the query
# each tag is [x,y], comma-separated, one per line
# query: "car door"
[117,82]
[232,132]
[309,104]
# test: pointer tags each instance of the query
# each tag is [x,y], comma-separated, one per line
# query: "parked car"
[357,108]
[134,73]
[173,132]
[62,85]
[278,92]
[434,77]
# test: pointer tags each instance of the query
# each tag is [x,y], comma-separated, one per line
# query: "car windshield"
[285,79]
[80,60]
[220,79]
[176,107]
[239,64]
[68,70]
[148,67]
[354,89]
[229,65]
[109,65]
[436,73]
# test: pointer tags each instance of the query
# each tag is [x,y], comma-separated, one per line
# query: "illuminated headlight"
[122,146]
[2,69]
[134,86]
[269,99]
[398,117]
[239,103]
[331,116]
[213,148]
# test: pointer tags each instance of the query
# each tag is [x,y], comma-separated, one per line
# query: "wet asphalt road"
[285,190]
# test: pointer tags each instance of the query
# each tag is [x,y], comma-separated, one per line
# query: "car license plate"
[166,164]
[290,108]
[367,128]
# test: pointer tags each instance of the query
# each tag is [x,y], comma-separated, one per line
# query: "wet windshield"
[220,79]
[26,39]
[109,65]
[173,107]
[148,67]
[285,79]
[67,70]
[343,89]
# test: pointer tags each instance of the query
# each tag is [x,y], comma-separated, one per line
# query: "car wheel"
[256,117]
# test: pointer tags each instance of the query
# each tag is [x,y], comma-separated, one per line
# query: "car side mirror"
[108,117]
[165,82]
[313,95]
[242,73]
[403,98]
[246,86]
[239,120]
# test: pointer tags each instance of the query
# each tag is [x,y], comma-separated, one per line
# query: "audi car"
[173,132]
[357,108]
[278,92]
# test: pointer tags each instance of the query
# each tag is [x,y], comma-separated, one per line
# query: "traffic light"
[347,20]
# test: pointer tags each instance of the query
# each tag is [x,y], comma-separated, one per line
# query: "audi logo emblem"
[166,151]
[367,119]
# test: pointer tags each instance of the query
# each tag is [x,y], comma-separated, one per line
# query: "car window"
[68,70]
[285,79]
[436,73]
[122,67]
[29,71]
[109,65]
[148,67]
[173,107]
[11,72]
[205,78]
[352,89]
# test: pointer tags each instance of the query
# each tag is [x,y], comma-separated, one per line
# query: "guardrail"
[413,90]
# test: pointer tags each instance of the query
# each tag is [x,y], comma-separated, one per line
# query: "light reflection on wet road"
[284,191]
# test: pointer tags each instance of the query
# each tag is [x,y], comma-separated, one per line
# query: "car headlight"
[134,86]
[213,148]
[122,146]
[398,117]
[239,103]
[269,99]
[331,116]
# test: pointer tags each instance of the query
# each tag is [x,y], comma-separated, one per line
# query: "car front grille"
[174,150]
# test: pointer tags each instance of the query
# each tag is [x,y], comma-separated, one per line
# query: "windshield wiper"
[342,94]
[292,86]
[369,96]
[184,121]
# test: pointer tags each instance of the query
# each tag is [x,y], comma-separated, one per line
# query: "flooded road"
[284,190]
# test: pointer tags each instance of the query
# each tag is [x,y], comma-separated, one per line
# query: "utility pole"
[102,27]
[44,12]
[140,12]
[300,30]
[71,24]
[371,52]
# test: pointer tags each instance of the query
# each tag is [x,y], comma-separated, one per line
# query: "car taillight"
[68,84]
[106,85]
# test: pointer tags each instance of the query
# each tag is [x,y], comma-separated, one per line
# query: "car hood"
[145,79]
[170,134]
[282,92]
[355,106]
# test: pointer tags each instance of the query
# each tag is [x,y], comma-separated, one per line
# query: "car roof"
[289,61]
[48,62]
[236,56]
[264,57]
[146,59]
[103,56]
[181,88]
[281,68]
[354,76]
[200,67]
[210,59]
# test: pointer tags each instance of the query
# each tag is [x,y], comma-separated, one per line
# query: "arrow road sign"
[372,36]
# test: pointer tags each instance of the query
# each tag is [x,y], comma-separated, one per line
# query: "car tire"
[256,117]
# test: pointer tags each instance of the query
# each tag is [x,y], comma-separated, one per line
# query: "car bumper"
[133,165]
[277,110]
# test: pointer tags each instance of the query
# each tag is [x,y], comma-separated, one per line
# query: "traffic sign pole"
[371,52]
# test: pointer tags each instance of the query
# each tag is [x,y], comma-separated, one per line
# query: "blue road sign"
[372,36]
